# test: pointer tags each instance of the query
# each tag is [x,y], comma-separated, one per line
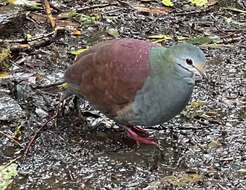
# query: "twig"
[11,138]
[182,13]
[234,30]
[11,161]
[56,8]
[27,40]
[124,3]
[49,14]
[35,44]
[223,188]
[37,132]
[49,85]
[194,128]
[95,7]
[233,158]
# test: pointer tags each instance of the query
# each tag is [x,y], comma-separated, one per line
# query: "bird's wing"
[110,73]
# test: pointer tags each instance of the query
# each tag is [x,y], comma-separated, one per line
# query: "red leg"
[139,130]
[137,138]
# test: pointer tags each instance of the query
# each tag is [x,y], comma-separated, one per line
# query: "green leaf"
[83,17]
[113,32]
[71,14]
[199,3]
[88,19]
[29,36]
[167,3]
[192,110]
[216,46]
[78,51]
[64,85]
[198,104]
[4,74]
[160,36]
[230,20]
[6,174]
[205,40]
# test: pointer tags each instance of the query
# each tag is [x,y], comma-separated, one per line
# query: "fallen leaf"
[198,104]
[230,20]
[78,51]
[216,46]
[6,174]
[18,134]
[213,144]
[160,36]
[205,39]
[4,75]
[5,55]
[76,32]
[211,113]
[113,32]
[212,2]
[199,3]
[182,179]
[192,110]
[29,36]
[167,3]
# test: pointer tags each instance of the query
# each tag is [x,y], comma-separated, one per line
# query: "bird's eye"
[189,61]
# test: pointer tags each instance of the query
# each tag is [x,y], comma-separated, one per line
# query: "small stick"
[27,40]
[34,43]
[95,7]
[49,85]
[36,133]
[181,13]
[11,138]
[56,8]
[49,14]
[11,161]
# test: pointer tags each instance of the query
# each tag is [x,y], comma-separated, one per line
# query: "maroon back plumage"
[110,73]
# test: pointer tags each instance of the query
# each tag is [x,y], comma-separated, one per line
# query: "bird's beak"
[200,68]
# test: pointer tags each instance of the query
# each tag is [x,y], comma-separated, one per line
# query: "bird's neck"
[162,61]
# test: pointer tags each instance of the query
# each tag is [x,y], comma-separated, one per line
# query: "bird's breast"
[161,99]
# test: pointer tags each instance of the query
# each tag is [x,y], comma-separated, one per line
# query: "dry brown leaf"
[76,32]
[212,2]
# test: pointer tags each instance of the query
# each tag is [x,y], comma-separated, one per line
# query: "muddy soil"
[202,148]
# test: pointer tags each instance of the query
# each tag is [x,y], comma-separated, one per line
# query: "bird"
[136,82]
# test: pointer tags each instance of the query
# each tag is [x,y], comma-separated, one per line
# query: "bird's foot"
[133,135]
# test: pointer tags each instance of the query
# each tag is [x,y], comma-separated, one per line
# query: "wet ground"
[202,148]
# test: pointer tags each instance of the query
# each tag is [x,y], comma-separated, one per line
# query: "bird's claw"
[133,135]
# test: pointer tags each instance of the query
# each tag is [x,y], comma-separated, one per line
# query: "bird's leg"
[137,138]
[139,130]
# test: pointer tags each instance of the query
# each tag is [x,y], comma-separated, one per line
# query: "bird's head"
[190,58]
